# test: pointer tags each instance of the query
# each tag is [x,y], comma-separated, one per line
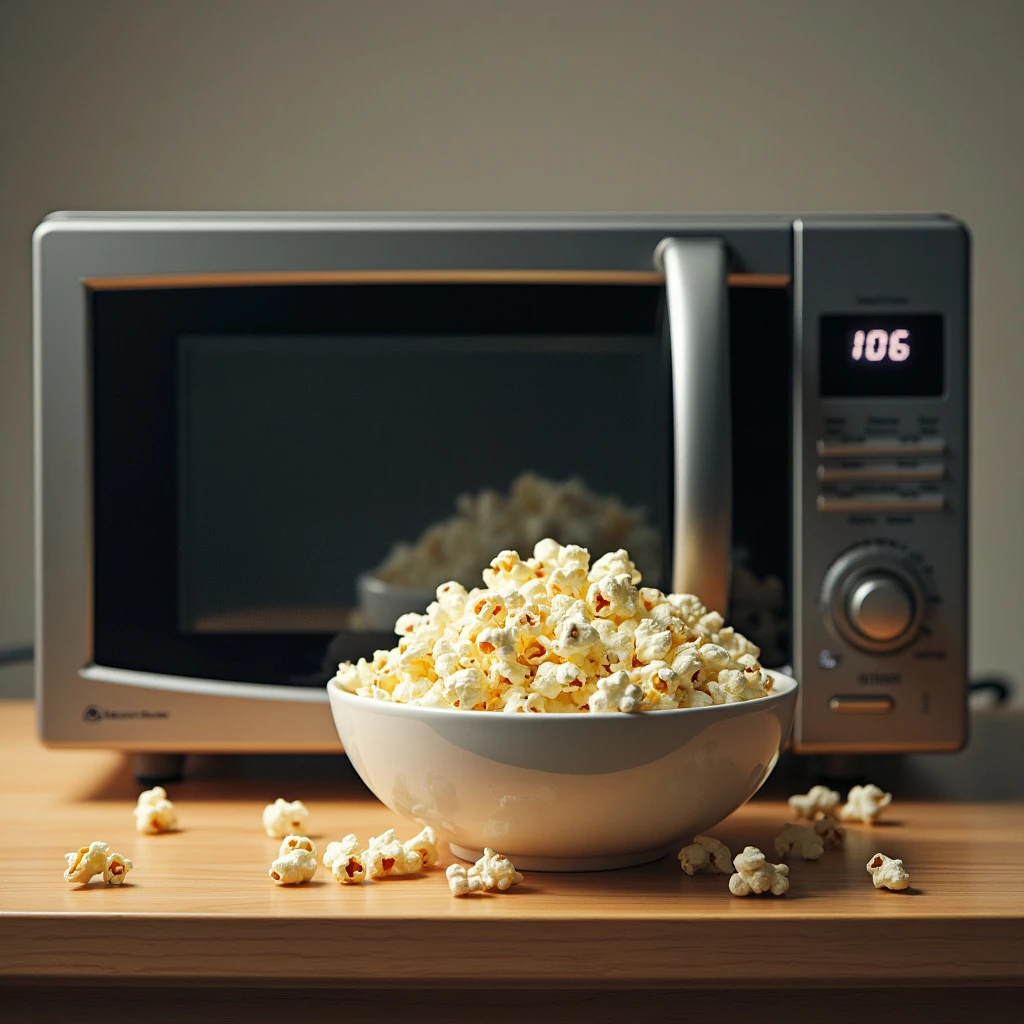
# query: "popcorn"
[346,861]
[461,882]
[755,875]
[296,867]
[491,871]
[154,812]
[817,800]
[459,547]
[864,803]
[117,869]
[830,832]
[282,818]
[290,843]
[705,854]
[86,863]
[887,873]
[804,841]
[387,856]
[552,634]
[425,844]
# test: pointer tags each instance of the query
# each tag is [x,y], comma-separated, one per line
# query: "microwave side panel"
[881,485]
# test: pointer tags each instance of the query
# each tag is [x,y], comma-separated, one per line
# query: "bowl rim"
[788,690]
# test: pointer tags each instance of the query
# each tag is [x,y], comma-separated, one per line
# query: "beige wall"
[728,105]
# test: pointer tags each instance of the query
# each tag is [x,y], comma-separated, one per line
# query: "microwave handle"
[697,304]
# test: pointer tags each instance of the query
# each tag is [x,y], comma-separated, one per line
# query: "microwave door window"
[328,483]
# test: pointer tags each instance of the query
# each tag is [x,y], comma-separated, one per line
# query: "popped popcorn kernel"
[117,869]
[345,860]
[290,843]
[154,812]
[865,804]
[831,833]
[800,839]
[755,875]
[284,818]
[87,862]
[385,856]
[817,800]
[425,844]
[461,882]
[887,873]
[491,871]
[705,854]
[296,867]
[553,634]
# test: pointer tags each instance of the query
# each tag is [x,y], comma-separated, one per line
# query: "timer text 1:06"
[876,346]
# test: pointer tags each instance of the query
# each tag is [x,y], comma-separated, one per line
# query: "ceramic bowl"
[565,792]
[380,603]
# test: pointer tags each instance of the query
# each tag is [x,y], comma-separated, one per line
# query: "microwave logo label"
[880,677]
[94,713]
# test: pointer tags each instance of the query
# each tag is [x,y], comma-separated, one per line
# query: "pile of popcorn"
[554,634]
[459,547]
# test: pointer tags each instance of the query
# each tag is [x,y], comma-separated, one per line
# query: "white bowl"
[380,603]
[565,792]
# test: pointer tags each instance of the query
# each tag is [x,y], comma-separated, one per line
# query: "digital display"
[869,356]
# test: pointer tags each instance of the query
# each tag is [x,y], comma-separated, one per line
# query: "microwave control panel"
[880,503]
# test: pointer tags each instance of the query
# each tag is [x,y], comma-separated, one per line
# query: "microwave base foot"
[157,768]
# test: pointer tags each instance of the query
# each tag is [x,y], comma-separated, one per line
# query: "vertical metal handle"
[697,302]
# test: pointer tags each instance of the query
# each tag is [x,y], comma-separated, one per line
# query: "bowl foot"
[603,863]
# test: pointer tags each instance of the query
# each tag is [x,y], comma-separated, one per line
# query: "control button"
[856,704]
[883,503]
[873,597]
[882,471]
[893,449]
[880,608]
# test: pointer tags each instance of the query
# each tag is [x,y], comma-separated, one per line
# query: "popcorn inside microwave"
[556,634]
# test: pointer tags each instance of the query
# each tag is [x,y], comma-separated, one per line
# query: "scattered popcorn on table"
[864,803]
[116,870]
[461,882]
[154,812]
[458,548]
[491,871]
[385,856]
[290,843]
[86,863]
[294,868]
[831,833]
[818,800]
[425,844]
[555,634]
[282,818]
[346,861]
[755,875]
[705,854]
[801,839]
[887,873]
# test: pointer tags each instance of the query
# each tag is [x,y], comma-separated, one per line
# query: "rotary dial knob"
[880,607]
[874,599]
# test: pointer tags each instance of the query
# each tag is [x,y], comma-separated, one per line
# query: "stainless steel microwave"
[257,435]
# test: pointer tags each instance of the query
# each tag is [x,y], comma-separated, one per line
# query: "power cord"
[17,654]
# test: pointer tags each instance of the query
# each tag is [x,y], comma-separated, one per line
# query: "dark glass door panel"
[260,450]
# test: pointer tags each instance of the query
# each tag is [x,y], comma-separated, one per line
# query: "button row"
[932,446]
[882,471]
[858,705]
[883,503]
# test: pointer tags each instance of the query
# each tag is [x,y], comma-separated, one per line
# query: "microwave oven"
[261,436]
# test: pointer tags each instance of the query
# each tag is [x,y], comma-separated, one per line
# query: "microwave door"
[697,308]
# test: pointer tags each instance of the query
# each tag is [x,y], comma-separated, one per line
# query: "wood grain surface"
[199,907]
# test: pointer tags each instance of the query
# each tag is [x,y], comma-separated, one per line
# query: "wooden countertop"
[200,907]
